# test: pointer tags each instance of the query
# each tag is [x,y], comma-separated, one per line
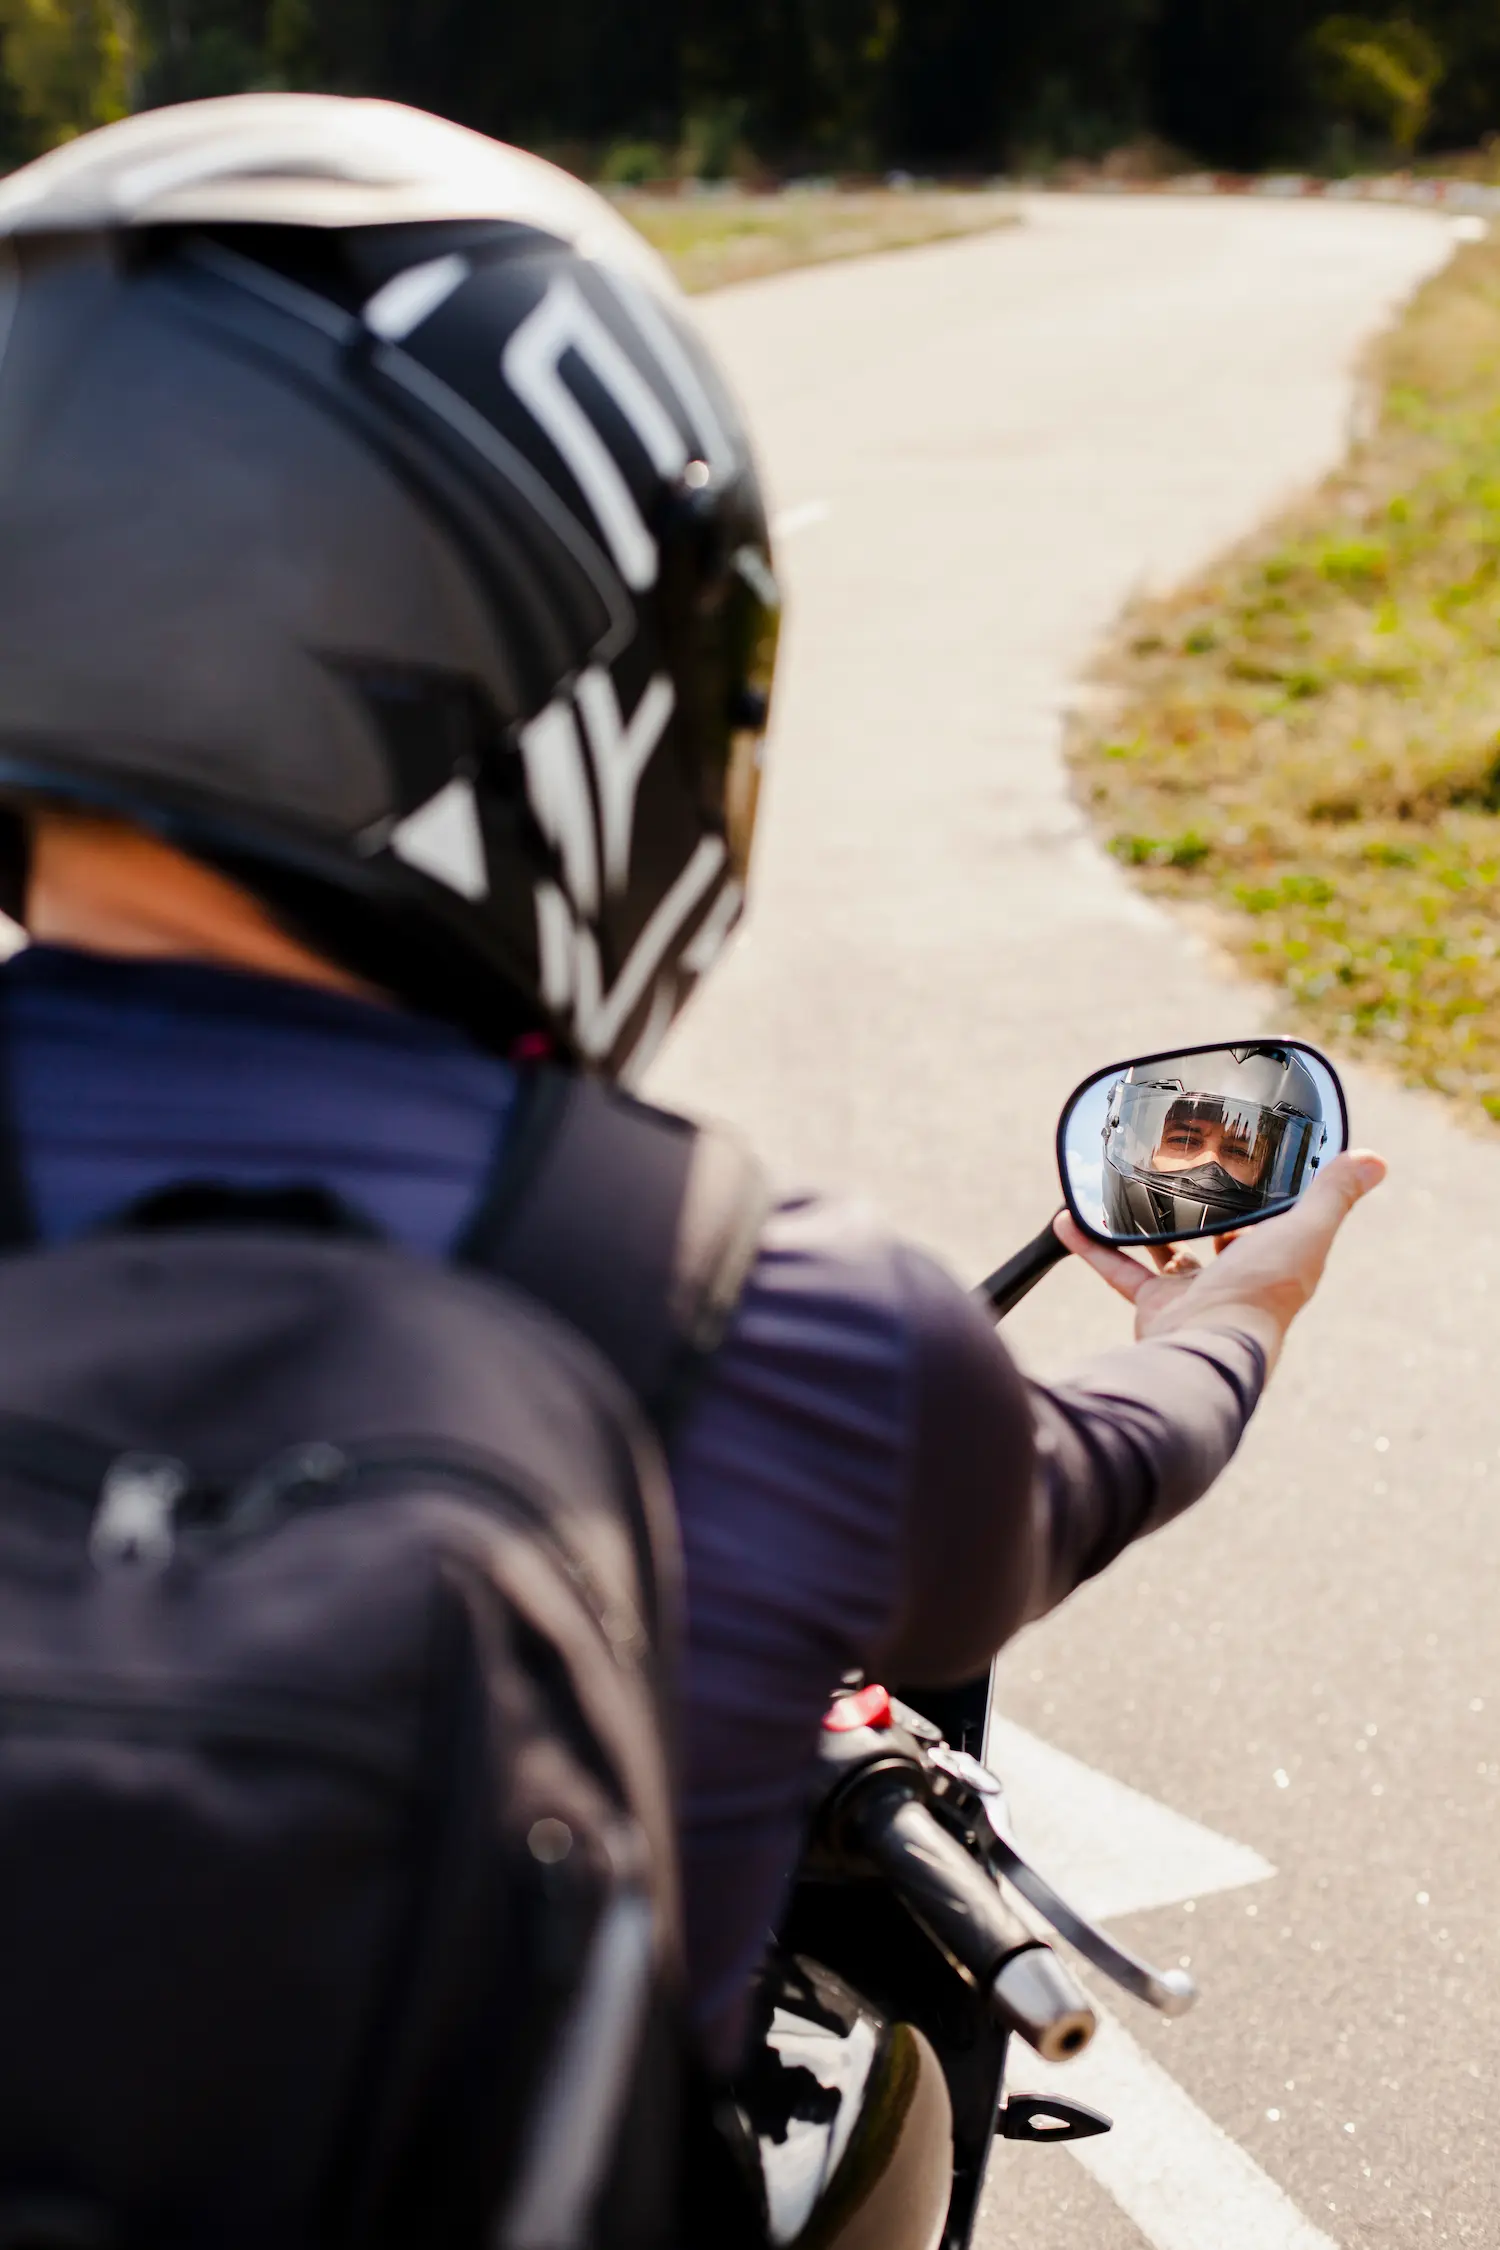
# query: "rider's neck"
[101,886]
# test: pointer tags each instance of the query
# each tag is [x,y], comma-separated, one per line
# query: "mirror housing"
[1200,1140]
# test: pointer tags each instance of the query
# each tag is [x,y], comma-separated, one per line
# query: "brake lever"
[1171,1992]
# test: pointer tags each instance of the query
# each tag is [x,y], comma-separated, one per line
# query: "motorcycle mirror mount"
[1198,1141]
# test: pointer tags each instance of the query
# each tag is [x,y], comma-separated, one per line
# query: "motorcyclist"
[1195,1143]
[387,623]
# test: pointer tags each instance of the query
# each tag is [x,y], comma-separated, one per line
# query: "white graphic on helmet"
[558,788]
[413,296]
[532,361]
[556,937]
[718,926]
[621,754]
[570,971]
[443,839]
[671,355]
[557,782]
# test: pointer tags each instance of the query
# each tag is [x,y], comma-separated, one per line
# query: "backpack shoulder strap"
[636,1226]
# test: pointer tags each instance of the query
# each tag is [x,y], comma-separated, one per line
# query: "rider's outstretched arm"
[1016,1493]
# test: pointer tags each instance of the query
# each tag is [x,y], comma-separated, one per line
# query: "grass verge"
[1307,740]
[712,240]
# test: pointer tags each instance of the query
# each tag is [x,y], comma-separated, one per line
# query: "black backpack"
[338,1894]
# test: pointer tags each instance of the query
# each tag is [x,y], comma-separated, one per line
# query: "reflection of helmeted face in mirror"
[1203,1131]
[1199,1142]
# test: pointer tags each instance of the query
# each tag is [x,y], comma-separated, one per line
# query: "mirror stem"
[1019,1275]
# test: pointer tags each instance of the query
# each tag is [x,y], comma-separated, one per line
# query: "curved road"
[980,450]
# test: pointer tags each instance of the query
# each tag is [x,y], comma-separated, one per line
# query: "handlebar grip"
[962,1910]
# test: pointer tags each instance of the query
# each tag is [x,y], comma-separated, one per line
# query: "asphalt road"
[983,448]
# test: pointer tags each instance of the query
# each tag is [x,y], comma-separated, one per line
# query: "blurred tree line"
[709,86]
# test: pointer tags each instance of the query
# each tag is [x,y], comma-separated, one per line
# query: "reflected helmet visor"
[1221,1152]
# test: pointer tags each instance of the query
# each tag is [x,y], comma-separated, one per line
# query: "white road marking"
[803,518]
[1108,1849]
[1176,2175]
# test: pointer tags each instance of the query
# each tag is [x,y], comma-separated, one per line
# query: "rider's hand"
[1259,1281]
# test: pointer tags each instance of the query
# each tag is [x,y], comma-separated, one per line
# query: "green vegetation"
[69,65]
[1308,739]
[711,241]
[1386,74]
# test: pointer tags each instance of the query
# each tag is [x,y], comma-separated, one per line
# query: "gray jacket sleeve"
[1017,1492]
[1128,1444]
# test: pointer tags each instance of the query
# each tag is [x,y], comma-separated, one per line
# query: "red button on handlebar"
[870,1707]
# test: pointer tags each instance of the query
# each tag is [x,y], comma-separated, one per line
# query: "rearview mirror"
[1205,1140]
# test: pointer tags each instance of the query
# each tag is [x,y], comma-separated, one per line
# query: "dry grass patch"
[712,240]
[1308,739]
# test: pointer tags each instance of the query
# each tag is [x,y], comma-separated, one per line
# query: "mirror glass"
[1199,1142]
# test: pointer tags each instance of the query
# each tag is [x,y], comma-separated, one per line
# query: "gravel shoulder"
[711,241]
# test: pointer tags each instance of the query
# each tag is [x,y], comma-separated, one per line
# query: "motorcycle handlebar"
[963,1912]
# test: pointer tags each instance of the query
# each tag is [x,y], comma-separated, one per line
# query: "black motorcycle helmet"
[375,527]
[1166,1118]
